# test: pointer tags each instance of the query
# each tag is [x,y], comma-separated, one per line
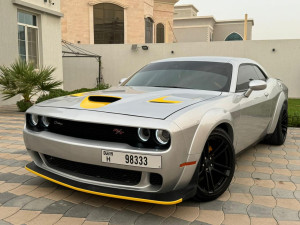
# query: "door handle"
[266,94]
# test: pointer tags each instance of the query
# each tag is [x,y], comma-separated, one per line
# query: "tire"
[217,165]
[279,135]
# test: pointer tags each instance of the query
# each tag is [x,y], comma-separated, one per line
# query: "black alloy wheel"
[284,123]
[217,164]
[279,135]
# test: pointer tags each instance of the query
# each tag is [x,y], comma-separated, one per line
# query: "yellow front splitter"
[103,194]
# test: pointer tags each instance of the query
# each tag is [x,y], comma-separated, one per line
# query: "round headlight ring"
[162,136]
[45,121]
[33,119]
[144,134]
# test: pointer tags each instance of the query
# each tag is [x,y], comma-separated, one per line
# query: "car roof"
[209,59]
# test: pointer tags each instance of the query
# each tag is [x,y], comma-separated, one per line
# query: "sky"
[273,19]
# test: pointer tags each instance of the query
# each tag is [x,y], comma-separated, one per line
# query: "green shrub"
[22,78]
[294,112]
[23,105]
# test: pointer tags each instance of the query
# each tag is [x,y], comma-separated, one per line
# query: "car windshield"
[212,76]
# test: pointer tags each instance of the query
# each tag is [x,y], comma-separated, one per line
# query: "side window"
[259,73]
[245,75]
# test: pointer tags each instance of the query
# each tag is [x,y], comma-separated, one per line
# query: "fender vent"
[103,99]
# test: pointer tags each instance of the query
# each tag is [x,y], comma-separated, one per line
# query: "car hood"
[151,102]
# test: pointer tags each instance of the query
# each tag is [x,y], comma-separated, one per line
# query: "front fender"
[208,123]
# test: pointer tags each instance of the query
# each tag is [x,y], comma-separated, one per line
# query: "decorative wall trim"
[95,2]
[37,8]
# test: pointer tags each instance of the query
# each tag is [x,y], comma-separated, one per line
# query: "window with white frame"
[28,37]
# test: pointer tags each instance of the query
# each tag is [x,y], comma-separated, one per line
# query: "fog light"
[45,121]
[33,119]
[162,136]
[144,134]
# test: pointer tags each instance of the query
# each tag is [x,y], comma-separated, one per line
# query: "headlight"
[162,136]
[33,119]
[45,121]
[144,134]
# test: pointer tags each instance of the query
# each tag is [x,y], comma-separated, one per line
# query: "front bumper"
[169,198]
[176,183]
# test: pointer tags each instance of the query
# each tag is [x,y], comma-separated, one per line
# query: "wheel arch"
[280,102]
[210,121]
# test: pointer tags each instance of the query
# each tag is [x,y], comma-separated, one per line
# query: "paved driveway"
[265,190]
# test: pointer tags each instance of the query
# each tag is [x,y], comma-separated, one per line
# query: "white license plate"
[129,159]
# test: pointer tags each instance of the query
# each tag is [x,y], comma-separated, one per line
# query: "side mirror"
[122,81]
[255,85]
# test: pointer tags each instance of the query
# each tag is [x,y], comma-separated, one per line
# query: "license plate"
[129,159]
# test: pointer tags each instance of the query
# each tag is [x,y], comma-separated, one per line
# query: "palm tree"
[24,79]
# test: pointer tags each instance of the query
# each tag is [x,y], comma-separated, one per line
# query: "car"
[168,133]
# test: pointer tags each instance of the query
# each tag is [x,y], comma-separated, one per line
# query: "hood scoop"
[109,99]
[97,101]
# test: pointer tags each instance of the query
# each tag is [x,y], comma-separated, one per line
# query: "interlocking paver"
[45,219]
[186,213]
[80,211]
[102,214]
[285,214]
[234,208]
[22,216]
[6,196]
[19,201]
[265,189]
[259,211]
[236,219]
[38,204]
[282,193]
[174,221]
[125,217]
[149,219]
[59,207]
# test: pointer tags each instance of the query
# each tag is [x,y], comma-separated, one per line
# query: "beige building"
[117,21]
[188,27]
[31,30]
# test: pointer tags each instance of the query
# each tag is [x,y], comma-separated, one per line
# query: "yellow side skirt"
[104,194]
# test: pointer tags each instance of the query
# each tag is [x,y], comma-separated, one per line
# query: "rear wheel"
[279,135]
[217,164]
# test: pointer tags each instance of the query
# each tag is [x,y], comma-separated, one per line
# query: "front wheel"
[217,164]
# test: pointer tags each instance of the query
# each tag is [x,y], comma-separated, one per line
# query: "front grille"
[93,131]
[93,172]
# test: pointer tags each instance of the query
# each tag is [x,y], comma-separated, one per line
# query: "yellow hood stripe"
[163,100]
[104,194]
[78,94]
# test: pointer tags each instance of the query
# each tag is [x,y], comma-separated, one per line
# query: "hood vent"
[109,99]
[93,102]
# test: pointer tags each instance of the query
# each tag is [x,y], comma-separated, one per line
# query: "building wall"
[185,11]
[119,61]
[222,30]
[78,24]
[50,50]
[192,34]
[163,13]
[193,29]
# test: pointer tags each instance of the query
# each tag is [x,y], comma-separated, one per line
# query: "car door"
[254,110]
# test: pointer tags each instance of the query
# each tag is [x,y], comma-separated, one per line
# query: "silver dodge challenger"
[169,132]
